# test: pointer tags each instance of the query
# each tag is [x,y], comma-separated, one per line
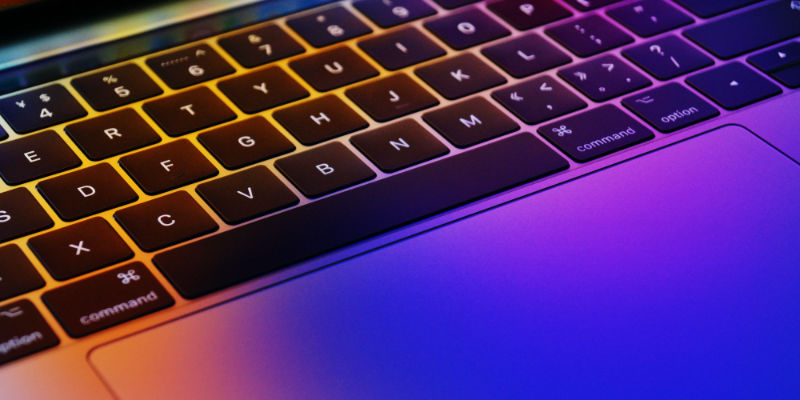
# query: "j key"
[262,89]
[116,87]
[107,299]
[167,167]
[80,248]
[86,191]
[324,169]
[245,142]
[401,48]
[586,5]
[165,221]
[333,68]
[266,245]
[329,26]
[187,67]
[112,134]
[604,78]
[40,108]
[460,76]
[527,14]
[470,121]
[391,97]
[649,17]
[188,111]
[35,156]
[450,4]
[466,28]
[260,46]
[670,107]
[733,85]
[595,133]
[319,119]
[23,331]
[21,214]
[388,13]
[526,55]
[706,8]
[589,35]
[782,63]
[399,145]
[247,194]
[17,273]
[667,57]
[538,100]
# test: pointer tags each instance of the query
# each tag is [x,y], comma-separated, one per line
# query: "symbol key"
[470,121]
[112,134]
[329,26]
[324,169]
[116,87]
[604,78]
[466,29]
[670,107]
[733,85]
[538,100]
[187,67]
[245,142]
[399,145]
[401,48]
[333,68]
[262,89]
[35,156]
[391,97]
[460,76]
[667,57]
[388,13]
[649,17]
[589,35]
[319,119]
[86,191]
[188,111]
[167,166]
[260,46]
[21,214]
[40,108]
[23,331]
[17,274]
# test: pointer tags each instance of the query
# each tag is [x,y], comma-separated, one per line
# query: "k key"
[391,97]
[21,214]
[40,108]
[86,191]
[324,169]
[459,76]
[399,145]
[35,156]
[187,67]
[333,68]
[260,46]
[116,87]
[188,111]
[167,166]
[319,119]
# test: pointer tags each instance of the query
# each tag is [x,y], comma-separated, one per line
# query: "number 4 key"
[40,108]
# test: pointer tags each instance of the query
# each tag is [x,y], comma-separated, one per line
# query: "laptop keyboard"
[184,172]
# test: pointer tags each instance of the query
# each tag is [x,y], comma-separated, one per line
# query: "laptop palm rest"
[673,275]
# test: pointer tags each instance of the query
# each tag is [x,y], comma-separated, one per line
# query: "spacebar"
[231,257]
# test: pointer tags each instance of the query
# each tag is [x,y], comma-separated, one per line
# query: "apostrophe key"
[112,134]
[460,76]
[324,169]
[538,100]
[262,89]
[466,28]
[328,26]
[527,14]
[35,156]
[401,48]
[116,87]
[319,119]
[17,274]
[260,46]
[86,191]
[733,85]
[649,17]
[188,111]
[333,68]
[470,121]
[167,166]
[604,78]
[388,13]
[23,331]
[705,8]
[40,108]
[21,214]
[670,107]
[391,97]
[667,57]
[399,145]
[451,4]
[589,35]
[245,142]
[187,67]
[526,55]
[586,5]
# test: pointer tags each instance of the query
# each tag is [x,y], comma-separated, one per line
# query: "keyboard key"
[187,67]
[451,4]
[527,14]
[789,76]
[261,45]
[116,87]
[3,134]
[706,8]
[733,85]
[589,35]
[245,142]
[246,195]
[324,169]
[86,191]
[266,245]
[40,108]
[401,48]
[23,331]
[107,299]
[262,89]
[80,248]
[526,55]
[667,57]
[388,13]
[586,5]
[670,107]
[319,119]
[17,274]
[538,100]
[470,121]
[460,76]
[167,166]
[165,221]
[35,156]
[782,63]
[21,214]
[325,27]
[333,68]
[466,29]
[112,134]
[649,17]
[604,78]
[188,111]
[391,97]
[399,145]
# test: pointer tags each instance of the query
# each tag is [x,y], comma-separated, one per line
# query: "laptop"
[396,199]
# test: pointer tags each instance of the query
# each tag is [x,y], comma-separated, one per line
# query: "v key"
[231,197]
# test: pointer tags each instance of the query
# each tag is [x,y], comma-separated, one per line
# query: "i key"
[18,274]
[116,87]
[35,156]
[260,46]
[40,108]
[391,97]
[319,119]
[324,169]
[112,134]
[329,26]
[401,48]
[21,214]
[466,29]
[262,89]
[187,67]
[333,68]
[188,111]
[167,166]
[604,78]
[538,100]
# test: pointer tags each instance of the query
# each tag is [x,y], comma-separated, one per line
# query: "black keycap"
[333,68]
[604,78]
[261,45]
[470,121]
[527,14]
[586,5]
[526,55]
[733,85]
[40,108]
[23,331]
[17,274]
[86,191]
[80,248]
[595,133]
[401,48]
[21,214]
[744,32]
[165,221]
[188,111]
[167,166]
[319,119]
[667,57]
[589,35]
[246,195]
[35,156]
[391,97]
[324,169]
[706,8]
[262,89]
[782,63]
[116,87]
[3,134]
[670,107]
[325,27]
[187,67]
[112,134]
[460,76]
[789,76]
[649,17]
[245,142]
[107,299]
[450,4]
[263,246]
[388,13]
[466,28]
[538,100]
[399,145]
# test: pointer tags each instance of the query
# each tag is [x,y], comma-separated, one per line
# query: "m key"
[470,121]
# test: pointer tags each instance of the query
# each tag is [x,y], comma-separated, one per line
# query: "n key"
[40,108]
[399,145]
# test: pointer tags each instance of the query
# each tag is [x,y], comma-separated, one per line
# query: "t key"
[40,108]
[187,67]
[188,111]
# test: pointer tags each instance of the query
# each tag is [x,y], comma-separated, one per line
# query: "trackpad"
[673,275]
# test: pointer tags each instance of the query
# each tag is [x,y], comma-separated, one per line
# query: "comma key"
[23,331]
